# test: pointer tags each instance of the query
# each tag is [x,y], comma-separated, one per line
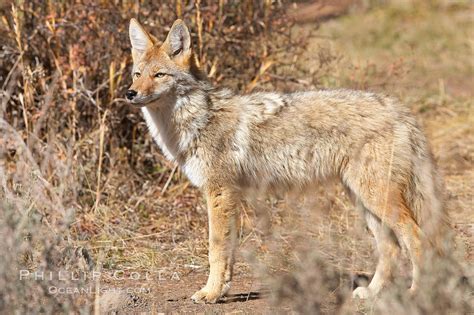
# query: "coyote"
[228,144]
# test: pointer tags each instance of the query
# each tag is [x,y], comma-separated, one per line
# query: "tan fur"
[228,144]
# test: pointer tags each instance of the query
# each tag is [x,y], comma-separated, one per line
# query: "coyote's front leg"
[222,203]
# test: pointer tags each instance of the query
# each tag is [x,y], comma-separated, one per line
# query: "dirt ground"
[397,51]
[168,296]
[171,293]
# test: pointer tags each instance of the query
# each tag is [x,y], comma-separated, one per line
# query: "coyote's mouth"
[144,101]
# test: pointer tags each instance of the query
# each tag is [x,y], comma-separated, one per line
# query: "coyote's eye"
[177,52]
[136,75]
[159,74]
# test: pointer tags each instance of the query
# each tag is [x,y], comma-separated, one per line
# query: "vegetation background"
[83,188]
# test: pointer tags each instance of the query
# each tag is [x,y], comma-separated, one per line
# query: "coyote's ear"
[139,38]
[178,39]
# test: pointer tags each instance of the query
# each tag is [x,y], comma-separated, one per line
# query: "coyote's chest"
[173,145]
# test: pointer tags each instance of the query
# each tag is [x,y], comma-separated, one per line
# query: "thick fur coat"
[227,144]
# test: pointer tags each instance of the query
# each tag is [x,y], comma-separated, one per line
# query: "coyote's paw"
[203,296]
[210,296]
[362,293]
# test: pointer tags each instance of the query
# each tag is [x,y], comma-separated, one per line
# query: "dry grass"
[82,186]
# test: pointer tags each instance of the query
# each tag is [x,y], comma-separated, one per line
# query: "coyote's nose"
[131,94]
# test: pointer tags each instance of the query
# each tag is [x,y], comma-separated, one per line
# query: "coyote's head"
[161,71]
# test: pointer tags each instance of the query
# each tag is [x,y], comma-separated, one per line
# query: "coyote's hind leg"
[397,216]
[387,247]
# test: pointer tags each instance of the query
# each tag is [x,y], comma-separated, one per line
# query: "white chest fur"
[154,122]
[193,167]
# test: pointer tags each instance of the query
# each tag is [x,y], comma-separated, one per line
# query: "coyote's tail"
[425,194]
